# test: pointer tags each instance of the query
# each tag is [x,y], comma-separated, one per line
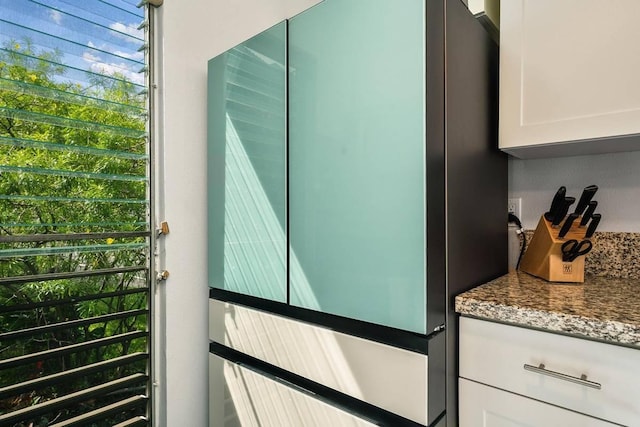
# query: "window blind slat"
[115,225]
[22,252]
[133,422]
[70,73]
[68,275]
[128,7]
[71,373]
[103,13]
[73,348]
[52,146]
[54,94]
[67,122]
[71,236]
[108,28]
[72,47]
[131,6]
[72,199]
[68,21]
[71,174]
[75,300]
[111,9]
[100,414]
[71,399]
[64,325]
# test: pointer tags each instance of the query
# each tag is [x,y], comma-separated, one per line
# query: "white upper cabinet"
[569,77]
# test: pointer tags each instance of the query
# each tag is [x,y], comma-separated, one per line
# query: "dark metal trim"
[18,280]
[70,399]
[73,300]
[406,340]
[105,411]
[25,238]
[476,172]
[436,167]
[489,26]
[74,348]
[437,215]
[72,323]
[316,390]
[41,382]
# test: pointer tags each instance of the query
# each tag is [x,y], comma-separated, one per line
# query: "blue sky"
[101,36]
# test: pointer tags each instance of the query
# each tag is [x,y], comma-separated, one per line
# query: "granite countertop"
[601,308]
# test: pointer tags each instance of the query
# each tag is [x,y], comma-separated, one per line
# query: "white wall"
[617,176]
[189,33]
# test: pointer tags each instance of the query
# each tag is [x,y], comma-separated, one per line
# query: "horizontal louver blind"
[74,221]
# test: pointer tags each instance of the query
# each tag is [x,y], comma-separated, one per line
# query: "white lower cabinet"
[514,376]
[484,406]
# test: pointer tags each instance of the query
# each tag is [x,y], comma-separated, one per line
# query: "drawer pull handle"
[582,380]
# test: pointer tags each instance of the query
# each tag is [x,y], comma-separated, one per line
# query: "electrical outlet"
[514,206]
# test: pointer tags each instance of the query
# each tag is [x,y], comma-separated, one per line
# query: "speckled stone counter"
[601,308]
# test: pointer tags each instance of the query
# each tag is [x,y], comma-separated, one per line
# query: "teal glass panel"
[247,132]
[357,162]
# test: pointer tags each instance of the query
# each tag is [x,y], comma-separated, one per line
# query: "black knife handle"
[567,224]
[562,211]
[556,203]
[585,198]
[587,215]
[595,220]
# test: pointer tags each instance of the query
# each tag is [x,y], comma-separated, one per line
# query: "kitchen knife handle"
[567,225]
[585,198]
[562,211]
[556,203]
[588,213]
[595,220]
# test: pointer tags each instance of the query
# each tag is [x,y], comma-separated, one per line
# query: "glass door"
[357,162]
[247,132]
[317,163]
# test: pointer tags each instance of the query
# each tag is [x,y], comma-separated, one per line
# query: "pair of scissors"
[572,249]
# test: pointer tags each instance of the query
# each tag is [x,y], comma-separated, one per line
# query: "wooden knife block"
[543,257]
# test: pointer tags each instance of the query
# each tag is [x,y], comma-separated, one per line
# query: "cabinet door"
[507,349]
[484,406]
[569,71]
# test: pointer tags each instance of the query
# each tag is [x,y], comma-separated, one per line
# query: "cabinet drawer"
[496,354]
[241,397]
[484,406]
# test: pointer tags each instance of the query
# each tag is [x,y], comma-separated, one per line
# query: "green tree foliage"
[72,160]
